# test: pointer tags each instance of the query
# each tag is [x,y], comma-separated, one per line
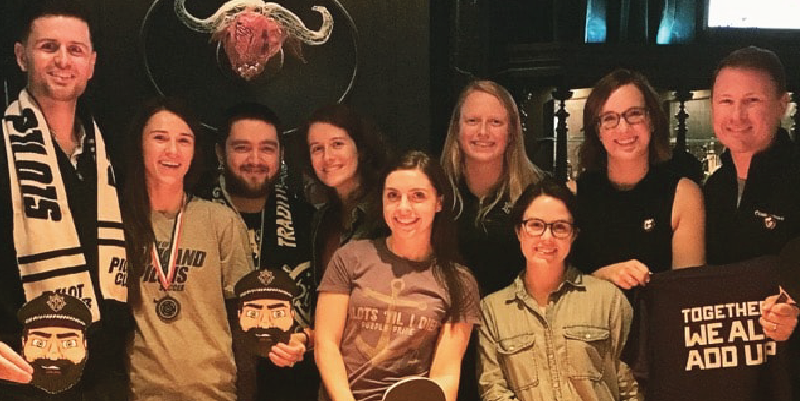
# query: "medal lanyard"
[166,276]
[261,240]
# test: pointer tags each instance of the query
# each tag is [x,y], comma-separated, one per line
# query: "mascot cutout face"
[265,309]
[54,340]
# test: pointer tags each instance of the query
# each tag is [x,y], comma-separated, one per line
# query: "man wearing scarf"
[249,149]
[58,193]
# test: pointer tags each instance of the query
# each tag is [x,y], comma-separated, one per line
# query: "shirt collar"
[770,155]
[571,279]
[79,147]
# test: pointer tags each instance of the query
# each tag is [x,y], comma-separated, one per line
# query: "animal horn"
[298,29]
[193,23]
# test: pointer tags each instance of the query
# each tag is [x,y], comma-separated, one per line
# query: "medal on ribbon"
[168,308]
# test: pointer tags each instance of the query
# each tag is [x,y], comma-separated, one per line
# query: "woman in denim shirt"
[554,333]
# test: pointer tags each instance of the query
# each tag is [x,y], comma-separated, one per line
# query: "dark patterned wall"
[391,86]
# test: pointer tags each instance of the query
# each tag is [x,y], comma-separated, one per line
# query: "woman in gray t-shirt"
[398,306]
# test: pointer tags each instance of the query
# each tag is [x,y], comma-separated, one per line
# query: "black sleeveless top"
[619,225]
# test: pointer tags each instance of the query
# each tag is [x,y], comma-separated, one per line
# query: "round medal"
[167,308]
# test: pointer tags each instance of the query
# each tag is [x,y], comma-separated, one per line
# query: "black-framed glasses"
[537,227]
[634,115]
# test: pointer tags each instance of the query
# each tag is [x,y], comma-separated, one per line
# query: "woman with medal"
[185,255]
[398,306]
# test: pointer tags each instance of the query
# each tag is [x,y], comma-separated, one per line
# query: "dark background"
[391,87]
[414,57]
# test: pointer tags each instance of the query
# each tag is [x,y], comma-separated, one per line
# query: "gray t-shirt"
[395,312]
[191,357]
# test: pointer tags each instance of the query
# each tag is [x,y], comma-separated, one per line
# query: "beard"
[236,185]
[56,376]
[260,341]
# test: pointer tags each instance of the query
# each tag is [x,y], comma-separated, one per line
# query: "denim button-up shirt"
[571,352]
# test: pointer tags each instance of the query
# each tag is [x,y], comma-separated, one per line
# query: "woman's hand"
[625,275]
[286,355]
[447,362]
[12,367]
[330,317]
[778,319]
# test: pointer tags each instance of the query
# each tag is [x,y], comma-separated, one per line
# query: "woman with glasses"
[637,217]
[554,333]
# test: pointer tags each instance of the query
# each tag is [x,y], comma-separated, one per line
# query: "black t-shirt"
[282,230]
[491,251]
[705,340]
[283,234]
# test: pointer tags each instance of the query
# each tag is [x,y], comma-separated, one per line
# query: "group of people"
[478,270]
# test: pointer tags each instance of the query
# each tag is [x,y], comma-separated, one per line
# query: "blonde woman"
[486,162]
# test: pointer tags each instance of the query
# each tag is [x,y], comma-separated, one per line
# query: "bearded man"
[249,149]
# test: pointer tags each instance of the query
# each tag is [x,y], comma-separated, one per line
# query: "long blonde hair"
[518,171]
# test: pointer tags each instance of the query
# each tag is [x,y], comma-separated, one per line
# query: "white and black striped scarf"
[49,253]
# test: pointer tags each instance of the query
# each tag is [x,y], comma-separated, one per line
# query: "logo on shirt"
[770,220]
[648,225]
[187,260]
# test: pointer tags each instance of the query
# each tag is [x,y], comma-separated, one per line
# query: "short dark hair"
[248,111]
[548,186]
[592,155]
[757,59]
[373,154]
[34,9]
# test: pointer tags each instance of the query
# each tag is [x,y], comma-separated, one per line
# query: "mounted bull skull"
[253,31]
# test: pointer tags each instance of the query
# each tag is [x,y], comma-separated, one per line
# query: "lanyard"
[261,240]
[166,274]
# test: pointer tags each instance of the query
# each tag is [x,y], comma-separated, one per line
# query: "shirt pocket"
[586,347]
[518,361]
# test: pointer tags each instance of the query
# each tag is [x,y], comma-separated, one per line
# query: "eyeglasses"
[537,227]
[634,115]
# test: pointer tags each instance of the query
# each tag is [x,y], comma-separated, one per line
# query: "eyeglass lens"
[537,227]
[634,115]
